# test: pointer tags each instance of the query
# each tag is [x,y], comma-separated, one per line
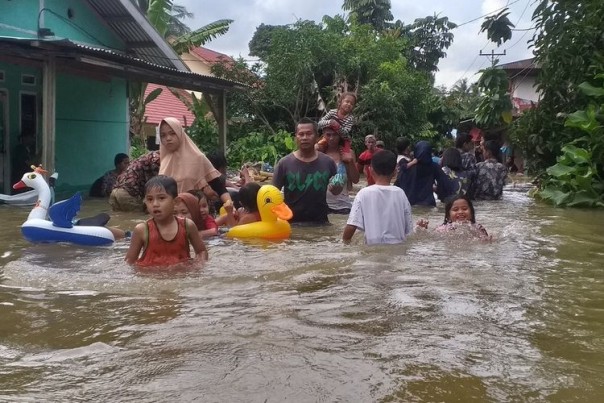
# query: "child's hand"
[210,193]
[228,206]
[422,223]
[335,125]
[335,189]
[346,157]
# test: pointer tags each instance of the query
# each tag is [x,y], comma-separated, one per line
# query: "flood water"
[313,320]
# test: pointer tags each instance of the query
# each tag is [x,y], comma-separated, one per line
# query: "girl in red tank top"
[164,239]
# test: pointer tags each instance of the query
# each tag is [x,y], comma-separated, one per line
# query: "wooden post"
[222,121]
[49,95]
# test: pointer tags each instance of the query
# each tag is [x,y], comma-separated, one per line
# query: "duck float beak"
[19,185]
[282,211]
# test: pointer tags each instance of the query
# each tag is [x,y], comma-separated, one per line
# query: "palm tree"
[374,12]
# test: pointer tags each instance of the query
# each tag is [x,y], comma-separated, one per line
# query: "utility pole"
[492,56]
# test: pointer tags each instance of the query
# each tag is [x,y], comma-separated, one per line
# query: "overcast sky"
[462,57]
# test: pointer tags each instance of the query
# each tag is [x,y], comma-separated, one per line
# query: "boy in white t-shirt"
[382,211]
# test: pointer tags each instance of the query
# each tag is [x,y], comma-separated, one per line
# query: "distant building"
[523,77]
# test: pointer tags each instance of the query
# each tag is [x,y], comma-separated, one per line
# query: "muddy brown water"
[312,320]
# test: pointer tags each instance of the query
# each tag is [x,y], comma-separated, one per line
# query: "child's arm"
[136,243]
[411,163]
[211,228]
[231,220]
[201,252]
[326,120]
[349,231]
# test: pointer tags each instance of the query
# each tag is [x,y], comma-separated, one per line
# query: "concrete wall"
[91,127]
[523,87]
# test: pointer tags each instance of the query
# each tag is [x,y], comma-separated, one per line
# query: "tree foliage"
[498,27]
[376,13]
[307,65]
[568,47]
[429,37]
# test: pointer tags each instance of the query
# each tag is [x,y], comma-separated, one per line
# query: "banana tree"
[166,17]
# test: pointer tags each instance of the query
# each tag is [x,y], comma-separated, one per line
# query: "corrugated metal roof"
[141,38]
[520,65]
[116,63]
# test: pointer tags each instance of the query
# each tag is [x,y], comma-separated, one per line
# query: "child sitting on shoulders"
[164,239]
[341,121]
[382,211]
[459,214]
[189,206]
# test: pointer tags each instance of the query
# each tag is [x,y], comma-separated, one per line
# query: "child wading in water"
[189,206]
[164,238]
[382,211]
[341,121]
[248,212]
[459,214]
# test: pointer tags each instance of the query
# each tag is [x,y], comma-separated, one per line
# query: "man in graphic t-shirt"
[305,176]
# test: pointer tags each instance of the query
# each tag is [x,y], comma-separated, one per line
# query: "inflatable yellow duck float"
[274,214]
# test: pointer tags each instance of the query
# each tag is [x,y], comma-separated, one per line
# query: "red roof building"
[166,105]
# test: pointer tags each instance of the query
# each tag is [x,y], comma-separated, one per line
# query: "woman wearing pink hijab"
[182,160]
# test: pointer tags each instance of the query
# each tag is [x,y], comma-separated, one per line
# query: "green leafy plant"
[495,107]
[577,178]
[137,147]
[260,146]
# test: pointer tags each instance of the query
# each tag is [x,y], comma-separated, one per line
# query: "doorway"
[5,185]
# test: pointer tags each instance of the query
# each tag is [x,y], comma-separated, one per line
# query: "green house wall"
[91,114]
[91,127]
[67,19]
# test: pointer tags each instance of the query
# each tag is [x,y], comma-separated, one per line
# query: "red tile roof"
[167,105]
[211,56]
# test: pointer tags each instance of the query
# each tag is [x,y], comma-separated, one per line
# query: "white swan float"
[38,229]
[30,197]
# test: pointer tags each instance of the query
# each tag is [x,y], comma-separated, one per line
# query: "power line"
[487,14]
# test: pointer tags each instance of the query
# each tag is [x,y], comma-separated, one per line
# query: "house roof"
[167,104]
[70,55]
[141,38]
[210,56]
[526,64]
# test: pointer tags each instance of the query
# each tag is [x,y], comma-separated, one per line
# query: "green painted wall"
[91,127]
[21,20]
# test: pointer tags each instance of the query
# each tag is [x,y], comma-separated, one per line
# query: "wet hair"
[248,196]
[217,159]
[119,158]
[402,143]
[449,205]
[493,148]
[452,159]
[308,121]
[164,182]
[462,138]
[348,94]
[383,162]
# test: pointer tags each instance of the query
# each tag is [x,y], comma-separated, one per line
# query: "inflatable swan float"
[274,214]
[60,229]
[30,197]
